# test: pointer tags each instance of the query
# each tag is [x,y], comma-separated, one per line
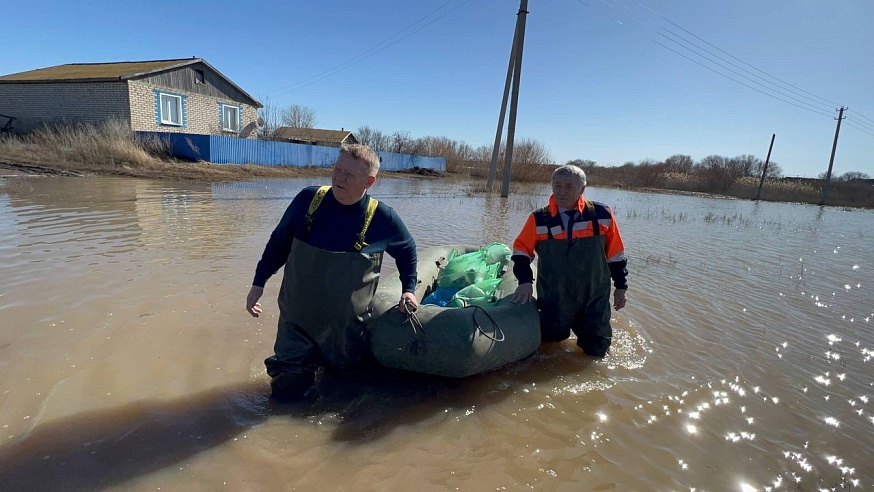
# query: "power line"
[813,103]
[751,66]
[856,120]
[358,57]
[739,82]
[867,132]
[740,74]
[697,49]
[855,125]
[381,46]
[864,117]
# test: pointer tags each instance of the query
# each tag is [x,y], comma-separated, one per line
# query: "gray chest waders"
[573,290]
[324,303]
[327,296]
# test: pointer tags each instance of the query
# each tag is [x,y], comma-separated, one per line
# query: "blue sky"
[607,80]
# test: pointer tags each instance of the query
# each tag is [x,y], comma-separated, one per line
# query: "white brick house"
[180,96]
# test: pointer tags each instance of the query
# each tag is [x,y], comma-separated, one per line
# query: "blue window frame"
[170,108]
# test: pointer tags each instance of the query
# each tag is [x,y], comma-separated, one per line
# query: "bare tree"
[364,135]
[373,138]
[484,153]
[679,163]
[271,115]
[530,151]
[852,175]
[585,164]
[457,154]
[715,172]
[745,165]
[444,147]
[297,116]
[400,142]
[774,170]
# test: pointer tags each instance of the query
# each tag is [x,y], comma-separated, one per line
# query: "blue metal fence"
[232,150]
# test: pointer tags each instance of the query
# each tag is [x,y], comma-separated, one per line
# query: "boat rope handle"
[478,327]
[413,319]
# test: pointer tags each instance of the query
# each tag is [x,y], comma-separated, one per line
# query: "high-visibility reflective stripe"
[618,257]
[521,253]
[542,225]
[581,226]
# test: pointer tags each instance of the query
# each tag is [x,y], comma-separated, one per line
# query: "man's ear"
[370,181]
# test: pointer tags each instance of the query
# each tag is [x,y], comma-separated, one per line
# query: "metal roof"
[110,72]
[312,134]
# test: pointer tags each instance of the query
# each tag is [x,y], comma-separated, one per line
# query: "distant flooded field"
[743,360]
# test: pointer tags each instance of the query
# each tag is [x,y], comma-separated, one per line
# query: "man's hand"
[524,293]
[408,299]
[252,304]
[619,299]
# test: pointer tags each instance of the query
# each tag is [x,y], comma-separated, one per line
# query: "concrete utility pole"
[765,167]
[514,73]
[493,164]
[828,175]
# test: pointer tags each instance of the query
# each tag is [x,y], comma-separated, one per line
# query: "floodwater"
[742,362]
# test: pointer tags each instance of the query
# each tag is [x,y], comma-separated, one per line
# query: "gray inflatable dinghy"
[450,341]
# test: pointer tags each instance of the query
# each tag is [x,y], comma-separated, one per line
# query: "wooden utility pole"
[765,167]
[831,161]
[514,73]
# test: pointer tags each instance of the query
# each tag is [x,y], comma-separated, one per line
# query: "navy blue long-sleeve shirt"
[335,227]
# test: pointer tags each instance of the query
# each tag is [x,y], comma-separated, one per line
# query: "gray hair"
[569,171]
[364,154]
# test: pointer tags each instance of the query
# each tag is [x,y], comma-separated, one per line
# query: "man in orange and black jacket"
[574,269]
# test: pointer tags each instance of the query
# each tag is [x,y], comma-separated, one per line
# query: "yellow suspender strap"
[314,204]
[368,216]
[371,209]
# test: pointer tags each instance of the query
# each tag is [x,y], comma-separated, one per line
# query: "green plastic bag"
[497,253]
[481,293]
[469,268]
[486,263]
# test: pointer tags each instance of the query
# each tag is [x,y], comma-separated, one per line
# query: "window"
[171,109]
[230,118]
[198,77]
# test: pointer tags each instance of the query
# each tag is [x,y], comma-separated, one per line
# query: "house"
[314,136]
[179,96]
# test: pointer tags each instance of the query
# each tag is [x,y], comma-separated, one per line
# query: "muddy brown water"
[127,362]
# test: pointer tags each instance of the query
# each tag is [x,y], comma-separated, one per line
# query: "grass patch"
[113,149]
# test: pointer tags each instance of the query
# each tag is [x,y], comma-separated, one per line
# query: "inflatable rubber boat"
[451,341]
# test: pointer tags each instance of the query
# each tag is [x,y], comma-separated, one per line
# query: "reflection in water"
[742,361]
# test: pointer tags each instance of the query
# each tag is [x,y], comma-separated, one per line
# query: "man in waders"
[574,268]
[331,240]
